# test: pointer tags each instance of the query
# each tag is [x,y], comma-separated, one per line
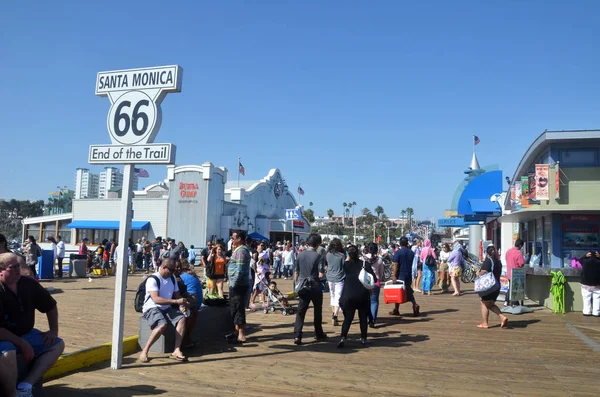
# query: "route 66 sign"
[135,95]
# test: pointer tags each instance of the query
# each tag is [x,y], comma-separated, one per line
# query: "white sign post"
[133,122]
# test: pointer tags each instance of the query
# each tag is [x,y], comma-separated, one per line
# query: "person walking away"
[147,253]
[239,282]
[32,253]
[514,260]
[158,308]
[139,254]
[428,260]
[377,265]
[402,270]
[455,262]
[590,283]
[488,302]
[20,297]
[443,276]
[334,261]
[355,297]
[215,271]
[308,272]
[417,267]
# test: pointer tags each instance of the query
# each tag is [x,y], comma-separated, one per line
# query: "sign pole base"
[122,266]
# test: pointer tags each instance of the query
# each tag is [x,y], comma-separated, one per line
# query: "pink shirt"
[514,259]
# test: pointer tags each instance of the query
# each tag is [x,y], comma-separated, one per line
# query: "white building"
[86,184]
[193,204]
[111,178]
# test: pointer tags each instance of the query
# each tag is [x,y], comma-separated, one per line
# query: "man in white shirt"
[288,261]
[60,254]
[161,293]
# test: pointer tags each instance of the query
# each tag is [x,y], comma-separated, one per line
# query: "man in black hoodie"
[590,283]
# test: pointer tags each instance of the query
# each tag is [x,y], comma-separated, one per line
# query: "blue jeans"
[277,269]
[287,270]
[375,302]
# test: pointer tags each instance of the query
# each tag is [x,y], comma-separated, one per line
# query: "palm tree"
[345,204]
[330,213]
[310,204]
[379,210]
[365,211]
[410,212]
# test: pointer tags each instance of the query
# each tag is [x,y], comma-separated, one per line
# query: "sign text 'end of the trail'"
[166,78]
[157,153]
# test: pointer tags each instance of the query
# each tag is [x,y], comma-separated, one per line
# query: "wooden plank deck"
[441,353]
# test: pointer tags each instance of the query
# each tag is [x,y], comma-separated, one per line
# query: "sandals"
[144,359]
[484,326]
[503,323]
[394,313]
[178,357]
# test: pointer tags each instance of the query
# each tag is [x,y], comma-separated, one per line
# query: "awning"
[484,206]
[258,236]
[107,225]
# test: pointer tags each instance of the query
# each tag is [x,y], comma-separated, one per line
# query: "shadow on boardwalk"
[129,391]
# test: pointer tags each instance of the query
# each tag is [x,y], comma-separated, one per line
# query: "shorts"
[455,271]
[491,297]
[443,267]
[157,317]
[105,264]
[35,338]
[237,304]
[335,292]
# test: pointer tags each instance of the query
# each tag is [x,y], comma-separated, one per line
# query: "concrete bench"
[212,322]
[22,369]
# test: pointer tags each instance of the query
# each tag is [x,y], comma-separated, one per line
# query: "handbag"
[307,284]
[366,278]
[487,283]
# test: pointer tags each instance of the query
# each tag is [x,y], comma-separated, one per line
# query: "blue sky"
[374,102]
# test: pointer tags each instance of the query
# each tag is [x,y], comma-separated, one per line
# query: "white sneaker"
[24,393]
[285,278]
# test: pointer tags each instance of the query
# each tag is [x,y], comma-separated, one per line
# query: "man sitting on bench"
[20,297]
[158,309]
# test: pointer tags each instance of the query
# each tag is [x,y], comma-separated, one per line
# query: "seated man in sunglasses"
[20,297]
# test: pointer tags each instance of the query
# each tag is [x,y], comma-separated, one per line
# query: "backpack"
[140,294]
[430,260]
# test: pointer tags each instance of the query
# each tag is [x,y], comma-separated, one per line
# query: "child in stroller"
[276,298]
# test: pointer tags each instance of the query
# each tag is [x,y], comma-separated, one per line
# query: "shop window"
[100,235]
[138,234]
[578,158]
[580,235]
[83,233]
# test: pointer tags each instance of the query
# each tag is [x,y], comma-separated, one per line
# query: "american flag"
[140,173]
[476,139]
[300,191]
[241,169]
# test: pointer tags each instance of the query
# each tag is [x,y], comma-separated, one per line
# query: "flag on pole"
[476,139]
[300,191]
[241,169]
[140,173]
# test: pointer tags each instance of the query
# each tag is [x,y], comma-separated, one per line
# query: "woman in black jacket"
[355,296]
[590,283]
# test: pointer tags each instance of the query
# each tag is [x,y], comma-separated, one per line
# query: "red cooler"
[394,292]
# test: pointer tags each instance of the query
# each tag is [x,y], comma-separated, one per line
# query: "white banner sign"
[157,153]
[162,77]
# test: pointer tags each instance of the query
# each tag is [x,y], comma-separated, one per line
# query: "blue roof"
[258,236]
[107,225]
[484,205]
[482,187]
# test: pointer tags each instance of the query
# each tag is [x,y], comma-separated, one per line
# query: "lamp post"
[375,224]
[388,239]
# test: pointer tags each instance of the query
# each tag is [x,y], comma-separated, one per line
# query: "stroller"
[274,298]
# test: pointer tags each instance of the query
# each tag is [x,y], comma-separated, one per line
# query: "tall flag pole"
[300,192]
[241,170]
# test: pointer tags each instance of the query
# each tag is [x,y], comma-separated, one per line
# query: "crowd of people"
[173,293]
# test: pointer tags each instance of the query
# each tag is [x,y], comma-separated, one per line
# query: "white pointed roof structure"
[474,163]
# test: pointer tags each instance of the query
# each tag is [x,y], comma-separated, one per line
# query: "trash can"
[77,265]
[45,268]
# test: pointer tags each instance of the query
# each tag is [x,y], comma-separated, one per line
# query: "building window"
[101,234]
[578,158]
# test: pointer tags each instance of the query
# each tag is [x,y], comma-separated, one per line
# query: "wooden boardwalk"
[441,353]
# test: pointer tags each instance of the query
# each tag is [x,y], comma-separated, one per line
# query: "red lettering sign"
[188,190]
